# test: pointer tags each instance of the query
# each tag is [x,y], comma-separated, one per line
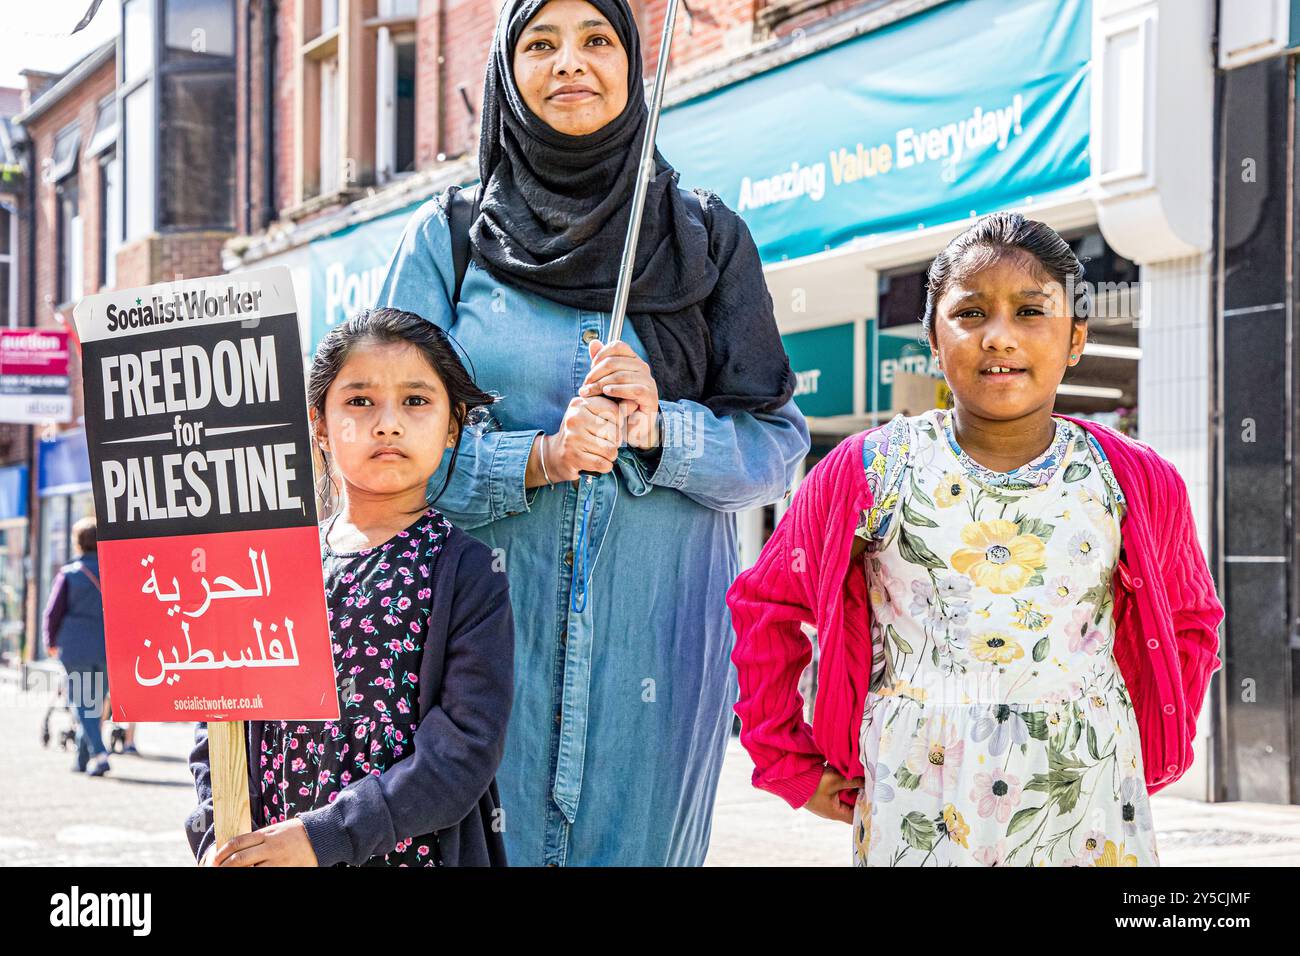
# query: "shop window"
[13,552]
[103,146]
[902,298]
[70,241]
[197,168]
[138,146]
[395,105]
[177,95]
[1102,385]
[198,30]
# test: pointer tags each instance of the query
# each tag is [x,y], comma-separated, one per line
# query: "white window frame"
[72,250]
[386,102]
[330,172]
[139,156]
[391,9]
[329,15]
[9,261]
[111,165]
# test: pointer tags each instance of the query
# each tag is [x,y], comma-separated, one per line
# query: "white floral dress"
[998,730]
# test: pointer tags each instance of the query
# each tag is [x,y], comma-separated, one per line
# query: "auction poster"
[34,376]
[196,423]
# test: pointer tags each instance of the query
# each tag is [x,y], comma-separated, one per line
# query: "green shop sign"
[890,354]
[822,360]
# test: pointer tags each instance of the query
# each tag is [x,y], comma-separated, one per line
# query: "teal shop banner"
[967,108]
[822,360]
[347,268]
[890,353]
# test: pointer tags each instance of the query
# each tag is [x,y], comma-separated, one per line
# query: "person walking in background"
[1016,621]
[74,632]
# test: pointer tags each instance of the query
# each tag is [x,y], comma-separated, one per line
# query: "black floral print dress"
[378,608]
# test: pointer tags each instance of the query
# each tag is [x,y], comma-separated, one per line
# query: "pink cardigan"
[1166,611]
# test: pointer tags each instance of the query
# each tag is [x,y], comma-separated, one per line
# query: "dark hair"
[83,532]
[997,235]
[394,325]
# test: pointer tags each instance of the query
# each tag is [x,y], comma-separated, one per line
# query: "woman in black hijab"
[623,687]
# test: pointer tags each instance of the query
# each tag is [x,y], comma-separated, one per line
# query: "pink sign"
[34,376]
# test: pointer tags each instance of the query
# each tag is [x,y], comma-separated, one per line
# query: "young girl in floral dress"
[990,688]
[992,633]
[421,626]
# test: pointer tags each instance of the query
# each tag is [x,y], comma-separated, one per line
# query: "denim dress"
[623,680]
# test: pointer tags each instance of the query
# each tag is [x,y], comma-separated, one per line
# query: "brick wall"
[461,32]
[718,29]
[809,18]
[169,256]
[469,36]
[285,123]
[428,104]
[80,106]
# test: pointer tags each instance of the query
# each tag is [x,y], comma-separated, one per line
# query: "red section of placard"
[218,627]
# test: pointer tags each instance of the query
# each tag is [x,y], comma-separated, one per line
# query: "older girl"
[1016,621]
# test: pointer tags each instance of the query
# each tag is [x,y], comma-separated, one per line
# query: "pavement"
[754,828]
[135,814]
[49,816]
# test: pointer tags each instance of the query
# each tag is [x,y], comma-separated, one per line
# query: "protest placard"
[196,420]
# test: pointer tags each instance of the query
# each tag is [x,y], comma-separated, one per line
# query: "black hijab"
[553,217]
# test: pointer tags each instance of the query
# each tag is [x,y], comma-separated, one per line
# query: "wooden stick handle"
[228,758]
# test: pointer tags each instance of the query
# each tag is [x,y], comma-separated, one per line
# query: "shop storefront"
[856,153]
[856,161]
[852,179]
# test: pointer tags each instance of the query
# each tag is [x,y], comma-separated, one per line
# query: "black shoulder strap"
[462,210]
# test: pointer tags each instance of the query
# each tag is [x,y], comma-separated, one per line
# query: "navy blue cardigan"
[447,784]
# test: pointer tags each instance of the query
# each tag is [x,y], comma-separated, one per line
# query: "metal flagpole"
[645,168]
[645,171]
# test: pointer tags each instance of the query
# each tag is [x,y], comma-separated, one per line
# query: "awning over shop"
[964,109]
